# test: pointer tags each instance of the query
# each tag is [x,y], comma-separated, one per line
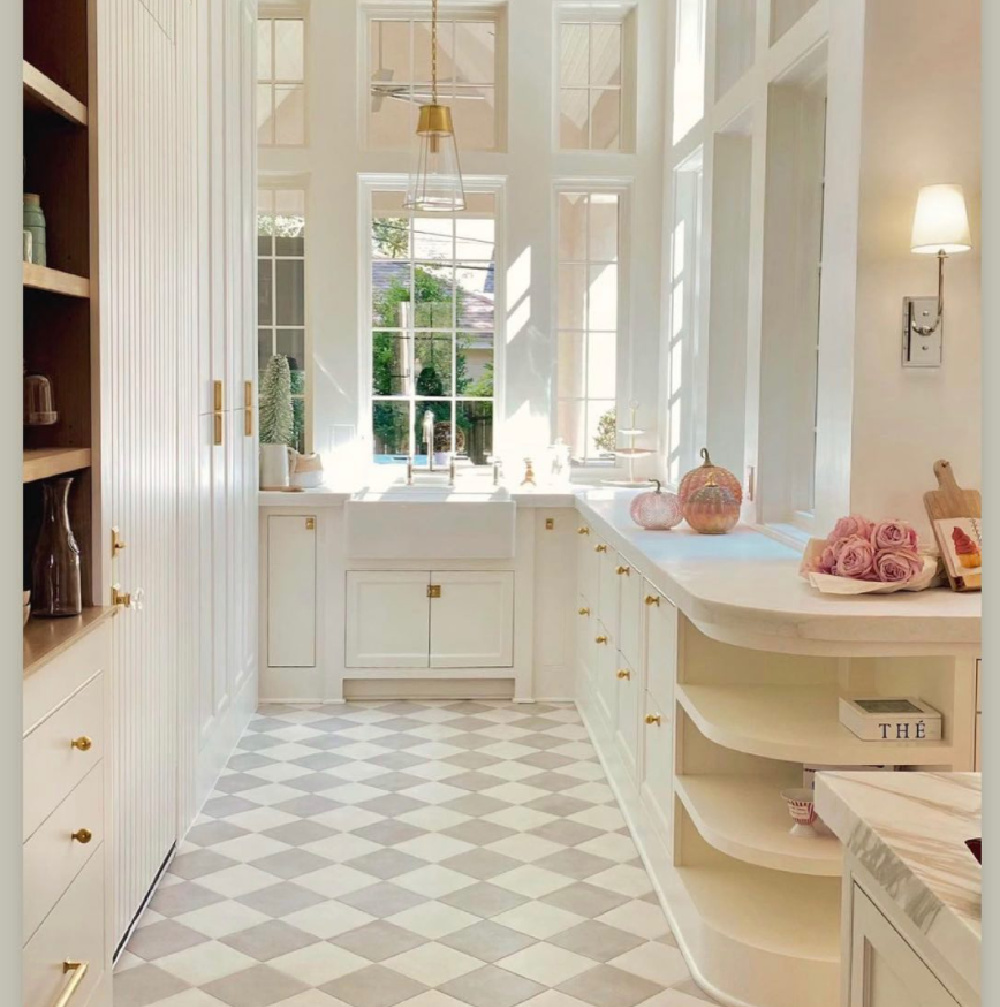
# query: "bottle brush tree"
[277,420]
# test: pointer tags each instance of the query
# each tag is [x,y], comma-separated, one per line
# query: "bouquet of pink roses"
[883,554]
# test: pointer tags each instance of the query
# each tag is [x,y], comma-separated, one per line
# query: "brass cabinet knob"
[653,718]
[82,744]
[623,571]
[653,599]
[583,611]
[126,599]
[625,674]
[600,548]
[83,836]
[600,639]
[584,530]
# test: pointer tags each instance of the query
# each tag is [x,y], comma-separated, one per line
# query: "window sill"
[787,534]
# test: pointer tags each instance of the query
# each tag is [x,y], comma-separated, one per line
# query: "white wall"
[331,163]
[919,127]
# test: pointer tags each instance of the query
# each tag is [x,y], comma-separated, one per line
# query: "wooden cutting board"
[949,500]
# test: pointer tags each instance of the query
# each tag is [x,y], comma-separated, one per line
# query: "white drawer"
[52,857]
[52,766]
[48,687]
[73,932]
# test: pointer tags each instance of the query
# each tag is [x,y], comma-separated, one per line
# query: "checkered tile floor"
[419,854]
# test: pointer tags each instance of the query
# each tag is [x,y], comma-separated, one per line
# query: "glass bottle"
[55,570]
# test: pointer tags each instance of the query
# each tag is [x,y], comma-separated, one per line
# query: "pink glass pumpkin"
[712,510]
[655,510]
[699,477]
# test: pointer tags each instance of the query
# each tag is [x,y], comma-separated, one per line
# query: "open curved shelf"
[795,724]
[745,817]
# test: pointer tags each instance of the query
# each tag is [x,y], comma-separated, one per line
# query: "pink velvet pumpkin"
[655,510]
[699,477]
[712,509]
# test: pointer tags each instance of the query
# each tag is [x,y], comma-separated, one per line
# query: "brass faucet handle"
[82,744]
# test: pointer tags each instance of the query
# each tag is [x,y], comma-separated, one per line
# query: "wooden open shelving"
[795,724]
[43,94]
[45,639]
[44,463]
[55,281]
[746,817]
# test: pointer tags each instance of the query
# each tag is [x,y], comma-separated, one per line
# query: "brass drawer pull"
[653,718]
[248,408]
[78,970]
[624,674]
[82,744]
[583,530]
[600,548]
[82,836]
[653,599]
[601,639]
[583,611]
[623,571]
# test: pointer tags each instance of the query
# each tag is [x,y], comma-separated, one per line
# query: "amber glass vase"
[55,570]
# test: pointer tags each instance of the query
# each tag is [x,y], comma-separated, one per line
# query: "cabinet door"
[586,564]
[291,591]
[586,628]
[661,645]
[630,614]
[629,689]
[658,766]
[605,675]
[472,619]
[388,619]
[885,971]
[608,588]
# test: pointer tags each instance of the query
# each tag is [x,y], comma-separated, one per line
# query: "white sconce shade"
[941,221]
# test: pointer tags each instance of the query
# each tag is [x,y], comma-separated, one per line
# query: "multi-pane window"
[589,267]
[400,79]
[591,62]
[281,322]
[281,81]
[432,318]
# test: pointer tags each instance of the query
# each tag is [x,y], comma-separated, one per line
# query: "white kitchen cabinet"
[605,674]
[388,619]
[885,971]
[630,613]
[472,619]
[660,645]
[422,619]
[291,591]
[608,589]
[629,690]
[587,562]
[658,766]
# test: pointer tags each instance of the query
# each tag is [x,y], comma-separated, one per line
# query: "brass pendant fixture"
[436,179]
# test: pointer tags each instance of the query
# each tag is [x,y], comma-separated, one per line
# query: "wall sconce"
[940,227]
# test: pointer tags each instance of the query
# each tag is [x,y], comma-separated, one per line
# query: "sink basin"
[430,523]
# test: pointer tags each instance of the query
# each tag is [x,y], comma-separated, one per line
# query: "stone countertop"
[744,588]
[909,831]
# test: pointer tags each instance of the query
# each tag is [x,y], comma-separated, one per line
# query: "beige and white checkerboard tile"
[408,853]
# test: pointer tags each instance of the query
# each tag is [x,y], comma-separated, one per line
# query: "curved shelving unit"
[795,724]
[746,818]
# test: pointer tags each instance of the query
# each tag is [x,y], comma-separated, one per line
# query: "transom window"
[281,323]
[399,74]
[281,81]
[591,84]
[432,328]
[589,225]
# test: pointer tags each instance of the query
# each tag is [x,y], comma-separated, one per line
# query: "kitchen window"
[431,342]
[281,115]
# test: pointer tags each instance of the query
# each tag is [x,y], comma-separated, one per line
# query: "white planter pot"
[273,466]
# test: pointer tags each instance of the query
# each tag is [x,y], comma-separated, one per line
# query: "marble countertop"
[909,831]
[743,588]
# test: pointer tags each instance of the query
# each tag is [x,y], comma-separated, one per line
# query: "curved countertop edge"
[908,831]
[743,588]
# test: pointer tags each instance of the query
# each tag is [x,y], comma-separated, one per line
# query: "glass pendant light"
[436,180]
